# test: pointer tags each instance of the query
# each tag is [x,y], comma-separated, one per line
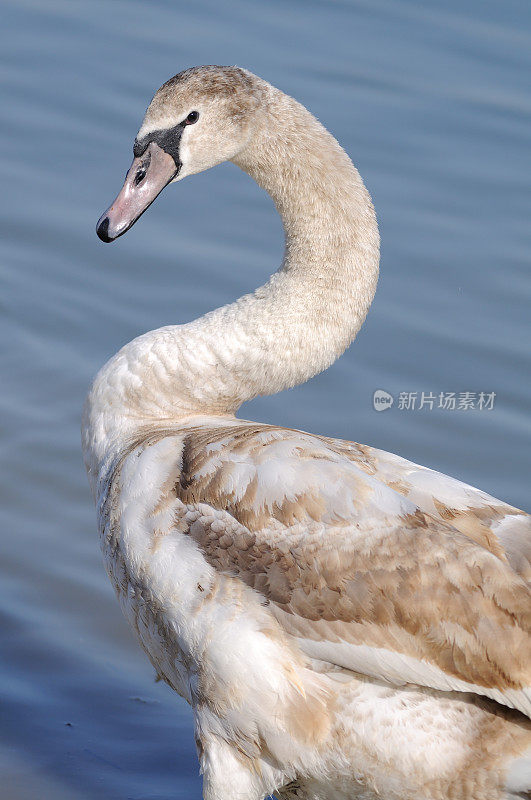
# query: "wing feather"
[352,567]
[502,528]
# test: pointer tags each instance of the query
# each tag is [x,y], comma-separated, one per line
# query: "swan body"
[343,623]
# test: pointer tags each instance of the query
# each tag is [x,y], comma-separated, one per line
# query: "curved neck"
[312,308]
[291,328]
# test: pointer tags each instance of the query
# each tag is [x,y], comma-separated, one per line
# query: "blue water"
[432,101]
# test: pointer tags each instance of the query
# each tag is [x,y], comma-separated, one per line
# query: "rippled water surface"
[432,102]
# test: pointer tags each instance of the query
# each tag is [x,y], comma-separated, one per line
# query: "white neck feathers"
[291,328]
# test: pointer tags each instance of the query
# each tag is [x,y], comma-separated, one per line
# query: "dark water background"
[432,101]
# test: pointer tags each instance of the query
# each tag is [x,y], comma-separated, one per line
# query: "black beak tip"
[102,229]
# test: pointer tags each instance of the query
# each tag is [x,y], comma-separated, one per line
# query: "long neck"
[291,328]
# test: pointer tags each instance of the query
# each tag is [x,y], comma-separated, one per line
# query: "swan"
[343,623]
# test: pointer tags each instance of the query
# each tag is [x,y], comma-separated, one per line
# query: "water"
[432,101]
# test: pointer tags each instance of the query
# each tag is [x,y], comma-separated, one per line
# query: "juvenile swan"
[344,623]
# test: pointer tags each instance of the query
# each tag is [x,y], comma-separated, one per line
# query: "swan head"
[197,119]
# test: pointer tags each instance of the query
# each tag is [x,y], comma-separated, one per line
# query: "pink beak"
[145,180]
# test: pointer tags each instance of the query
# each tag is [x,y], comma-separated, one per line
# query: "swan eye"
[140,175]
[192,117]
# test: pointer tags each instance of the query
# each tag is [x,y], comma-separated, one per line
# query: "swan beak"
[145,180]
